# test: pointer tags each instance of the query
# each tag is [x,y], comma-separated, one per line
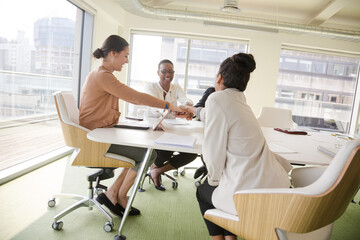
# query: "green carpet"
[173,214]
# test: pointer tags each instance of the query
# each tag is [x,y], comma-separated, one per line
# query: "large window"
[319,88]
[37,58]
[196,61]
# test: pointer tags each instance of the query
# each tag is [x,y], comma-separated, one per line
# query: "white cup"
[141,113]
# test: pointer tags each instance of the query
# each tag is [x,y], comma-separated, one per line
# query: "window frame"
[188,37]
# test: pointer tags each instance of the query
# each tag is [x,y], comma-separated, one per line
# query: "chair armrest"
[305,176]
[222,219]
[218,213]
[121,158]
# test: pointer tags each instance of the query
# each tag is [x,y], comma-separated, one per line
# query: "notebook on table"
[130,126]
[136,125]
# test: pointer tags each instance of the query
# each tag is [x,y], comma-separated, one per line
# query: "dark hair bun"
[98,53]
[245,61]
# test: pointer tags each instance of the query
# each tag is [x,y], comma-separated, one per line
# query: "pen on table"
[342,136]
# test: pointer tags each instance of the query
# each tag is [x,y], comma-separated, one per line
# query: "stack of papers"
[176,140]
[176,121]
[279,149]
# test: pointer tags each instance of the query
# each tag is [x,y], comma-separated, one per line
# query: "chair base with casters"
[199,173]
[85,201]
[182,171]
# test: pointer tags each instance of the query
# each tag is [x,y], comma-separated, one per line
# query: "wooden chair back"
[87,153]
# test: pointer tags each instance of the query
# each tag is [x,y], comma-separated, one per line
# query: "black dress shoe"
[160,187]
[132,212]
[102,199]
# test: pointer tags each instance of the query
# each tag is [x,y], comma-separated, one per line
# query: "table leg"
[141,171]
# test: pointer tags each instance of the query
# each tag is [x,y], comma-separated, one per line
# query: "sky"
[21,14]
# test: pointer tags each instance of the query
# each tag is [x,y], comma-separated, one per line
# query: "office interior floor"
[173,214]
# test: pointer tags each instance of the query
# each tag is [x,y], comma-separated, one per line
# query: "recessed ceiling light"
[231,6]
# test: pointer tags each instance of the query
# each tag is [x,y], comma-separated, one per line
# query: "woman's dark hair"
[236,70]
[164,61]
[112,43]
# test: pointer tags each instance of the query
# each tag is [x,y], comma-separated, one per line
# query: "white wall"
[264,46]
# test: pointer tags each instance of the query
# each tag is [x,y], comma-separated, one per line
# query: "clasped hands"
[187,112]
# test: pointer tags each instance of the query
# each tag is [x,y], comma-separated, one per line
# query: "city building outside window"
[319,88]
[37,58]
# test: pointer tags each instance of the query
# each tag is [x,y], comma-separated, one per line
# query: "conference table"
[297,149]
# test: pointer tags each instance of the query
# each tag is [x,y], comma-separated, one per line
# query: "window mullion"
[187,65]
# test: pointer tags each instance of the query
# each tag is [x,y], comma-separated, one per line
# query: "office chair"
[88,154]
[276,118]
[306,211]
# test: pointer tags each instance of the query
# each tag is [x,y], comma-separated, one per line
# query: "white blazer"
[235,151]
[174,95]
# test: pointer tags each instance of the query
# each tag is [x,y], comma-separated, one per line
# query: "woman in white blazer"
[234,148]
[165,90]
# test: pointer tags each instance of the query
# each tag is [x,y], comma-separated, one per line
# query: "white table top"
[303,147]
[146,138]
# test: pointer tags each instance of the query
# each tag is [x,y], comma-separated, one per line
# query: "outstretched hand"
[189,109]
[186,112]
[182,112]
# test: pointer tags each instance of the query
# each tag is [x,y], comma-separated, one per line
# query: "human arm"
[198,109]
[153,90]
[215,141]
[199,112]
[205,95]
[114,87]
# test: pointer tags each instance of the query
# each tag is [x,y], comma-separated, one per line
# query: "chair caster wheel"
[141,190]
[175,173]
[108,227]
[52,202]
[58,225]
[121,237]
[174,185]
[197,183]
[182,173]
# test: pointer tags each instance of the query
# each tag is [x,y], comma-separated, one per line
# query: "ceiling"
[337,16]
[330,13]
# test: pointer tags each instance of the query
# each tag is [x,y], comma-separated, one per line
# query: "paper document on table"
[279,149]
[176,121]
[176,140]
